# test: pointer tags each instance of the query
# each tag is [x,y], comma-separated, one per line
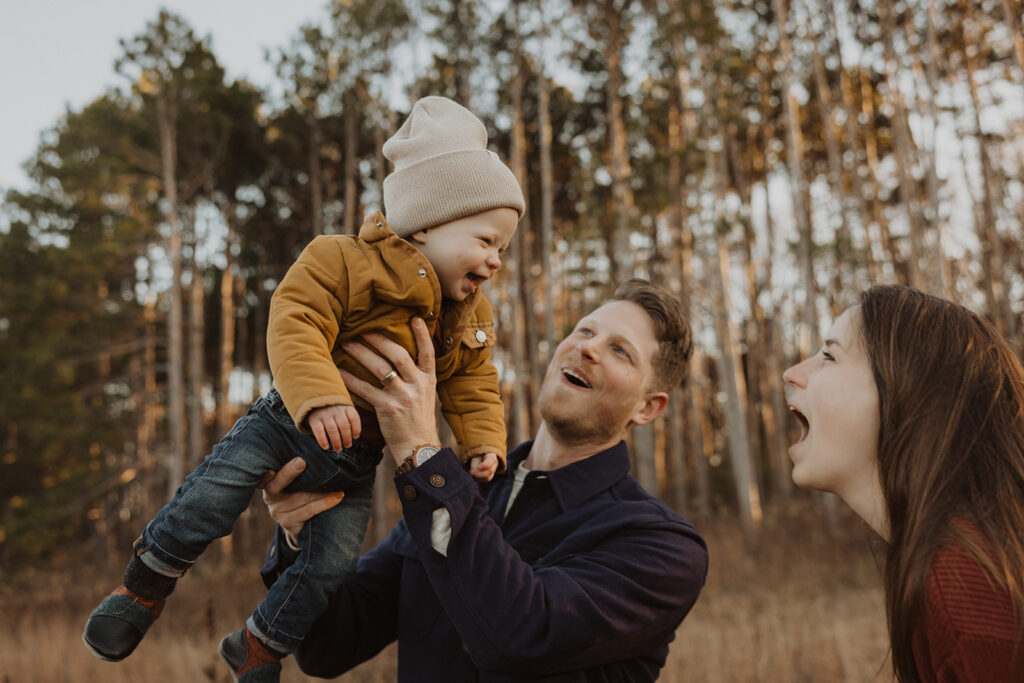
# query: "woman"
[913,413]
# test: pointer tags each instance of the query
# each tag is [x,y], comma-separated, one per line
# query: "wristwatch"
[420,455]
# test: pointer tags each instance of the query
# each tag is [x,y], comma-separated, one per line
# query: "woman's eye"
[828,356]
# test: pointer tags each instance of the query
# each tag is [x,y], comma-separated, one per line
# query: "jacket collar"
[577,482]
[376,228]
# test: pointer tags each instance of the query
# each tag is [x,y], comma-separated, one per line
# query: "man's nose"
[588,349]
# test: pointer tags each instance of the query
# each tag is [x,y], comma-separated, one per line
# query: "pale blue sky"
[60,53]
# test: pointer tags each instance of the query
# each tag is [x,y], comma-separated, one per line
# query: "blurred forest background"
[763,159]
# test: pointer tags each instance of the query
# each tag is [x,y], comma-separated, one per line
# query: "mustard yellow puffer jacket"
[341,287]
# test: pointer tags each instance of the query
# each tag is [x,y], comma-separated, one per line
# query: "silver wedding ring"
[388,378]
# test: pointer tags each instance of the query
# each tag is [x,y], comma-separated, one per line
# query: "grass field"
[803,606]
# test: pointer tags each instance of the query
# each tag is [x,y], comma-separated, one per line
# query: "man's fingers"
[423,345]
[377,366]
[284,476]
[360,388]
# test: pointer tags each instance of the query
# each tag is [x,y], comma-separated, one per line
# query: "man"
[563,569]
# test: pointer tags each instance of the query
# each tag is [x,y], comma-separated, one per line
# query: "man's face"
[597,381]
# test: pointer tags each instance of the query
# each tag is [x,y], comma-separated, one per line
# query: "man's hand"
[483,467]
[335,426]
[405,404]
[291,510]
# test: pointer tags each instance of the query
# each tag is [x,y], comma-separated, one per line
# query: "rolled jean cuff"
[277,646]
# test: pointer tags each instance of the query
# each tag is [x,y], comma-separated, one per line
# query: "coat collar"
[577,482]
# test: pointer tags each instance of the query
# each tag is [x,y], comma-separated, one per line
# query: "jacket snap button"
[430,315]
[422,272]
[448,341]
[409,492]
[436,480]
[481,336]
[379,224]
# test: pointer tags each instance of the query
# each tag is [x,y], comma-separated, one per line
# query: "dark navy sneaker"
[250,660]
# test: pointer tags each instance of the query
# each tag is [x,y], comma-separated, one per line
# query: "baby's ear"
[418,237]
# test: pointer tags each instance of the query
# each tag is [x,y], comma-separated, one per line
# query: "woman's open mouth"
[805,426]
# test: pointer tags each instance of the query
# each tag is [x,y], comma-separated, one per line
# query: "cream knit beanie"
[443,169]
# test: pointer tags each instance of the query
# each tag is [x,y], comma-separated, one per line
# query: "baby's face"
[466,252]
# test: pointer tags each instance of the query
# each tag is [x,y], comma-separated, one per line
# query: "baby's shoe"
[117,625]
[250,660]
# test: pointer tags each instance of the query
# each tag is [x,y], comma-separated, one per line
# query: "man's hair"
[675,341]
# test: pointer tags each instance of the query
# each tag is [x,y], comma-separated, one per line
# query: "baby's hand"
[335,426]
[483,467]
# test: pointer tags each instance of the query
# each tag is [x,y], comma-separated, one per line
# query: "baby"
[452,209]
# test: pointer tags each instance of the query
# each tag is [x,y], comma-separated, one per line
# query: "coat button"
[422,272]
[409,492]
[481,336]
[379,224]
[448,340]
[437,481]
[430,315]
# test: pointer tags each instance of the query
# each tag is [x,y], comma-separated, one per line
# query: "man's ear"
[652,406]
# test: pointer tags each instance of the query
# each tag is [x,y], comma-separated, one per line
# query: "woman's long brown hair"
[950,447]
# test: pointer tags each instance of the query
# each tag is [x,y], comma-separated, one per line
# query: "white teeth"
[574,376]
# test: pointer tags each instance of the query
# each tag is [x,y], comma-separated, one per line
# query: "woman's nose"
[794,375]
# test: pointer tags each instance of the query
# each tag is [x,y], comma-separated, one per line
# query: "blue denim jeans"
[213,496]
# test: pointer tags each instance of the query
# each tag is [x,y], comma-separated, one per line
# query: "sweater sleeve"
[968,631]
[306,313]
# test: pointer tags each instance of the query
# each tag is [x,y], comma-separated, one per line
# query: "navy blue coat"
[587,579]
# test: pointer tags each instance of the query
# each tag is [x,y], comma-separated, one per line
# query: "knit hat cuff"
[449,186]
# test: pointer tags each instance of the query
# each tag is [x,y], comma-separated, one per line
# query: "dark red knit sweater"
[968,631]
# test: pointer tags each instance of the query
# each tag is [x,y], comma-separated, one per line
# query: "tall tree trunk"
[901,138]
[943,283]
[547,212]
[871,151]
[853,144]
[730,368]
[227,323]
[524,338]
[842,271]
[167,124]
[993,269]
[349,226]
[196,429]
[622,194]
[315,189]
[774,410]
[794,148]
[1012,15]
[696,384]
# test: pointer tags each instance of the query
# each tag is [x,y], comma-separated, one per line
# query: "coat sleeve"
[471,397]
[360,618]
[305,319]
[605,603]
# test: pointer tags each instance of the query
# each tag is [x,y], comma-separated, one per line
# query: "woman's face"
[833,395]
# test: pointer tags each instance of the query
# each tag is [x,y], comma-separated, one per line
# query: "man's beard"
[592,427]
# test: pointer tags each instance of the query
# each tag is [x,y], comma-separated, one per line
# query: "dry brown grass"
[803,607]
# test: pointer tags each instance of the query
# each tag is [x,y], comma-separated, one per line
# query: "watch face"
[425,453]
